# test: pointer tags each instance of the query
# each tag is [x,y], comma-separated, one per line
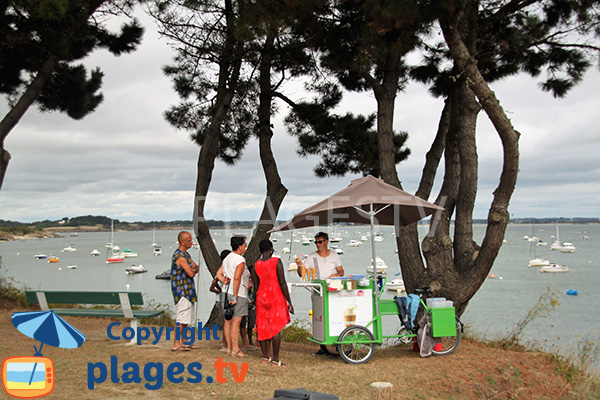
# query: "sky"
[124,161]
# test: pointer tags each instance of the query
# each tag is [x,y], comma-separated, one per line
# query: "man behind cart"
[328,265]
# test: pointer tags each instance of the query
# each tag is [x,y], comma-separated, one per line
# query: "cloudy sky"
[126,162]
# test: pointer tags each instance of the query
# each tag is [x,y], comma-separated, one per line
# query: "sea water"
[494,311]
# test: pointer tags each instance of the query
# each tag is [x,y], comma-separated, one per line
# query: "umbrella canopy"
[48,328]
[363,198]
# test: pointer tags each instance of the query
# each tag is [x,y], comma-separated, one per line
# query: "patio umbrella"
[367,200]
[48,328]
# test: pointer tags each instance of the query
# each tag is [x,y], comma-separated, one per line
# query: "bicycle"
[356,343]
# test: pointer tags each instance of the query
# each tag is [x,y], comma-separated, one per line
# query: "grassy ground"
[475,371]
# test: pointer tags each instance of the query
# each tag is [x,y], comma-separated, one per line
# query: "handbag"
[227,307]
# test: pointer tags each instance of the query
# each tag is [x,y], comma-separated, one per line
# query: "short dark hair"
[322,235]
[224,254]
[237,241]
[265,245]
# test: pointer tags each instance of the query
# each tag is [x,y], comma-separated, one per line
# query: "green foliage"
[296,332]
[9,290]
[580,369]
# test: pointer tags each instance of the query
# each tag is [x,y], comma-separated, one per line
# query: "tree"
[40,41]
[484,41]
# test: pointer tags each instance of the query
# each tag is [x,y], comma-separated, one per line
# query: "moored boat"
[53,259]
[164,275]
[136,269]
[554,268]
[380,266]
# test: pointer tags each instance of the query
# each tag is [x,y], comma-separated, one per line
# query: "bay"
[493,311]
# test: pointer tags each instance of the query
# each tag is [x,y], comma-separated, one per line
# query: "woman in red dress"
[273,303]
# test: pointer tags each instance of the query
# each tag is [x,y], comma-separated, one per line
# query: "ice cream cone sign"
[304,272]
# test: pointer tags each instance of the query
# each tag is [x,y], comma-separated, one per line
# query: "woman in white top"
[235,274]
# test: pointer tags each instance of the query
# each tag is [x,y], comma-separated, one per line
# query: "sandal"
[191,347]
[278,363]
[181,348]
[266,360]
[238,353]
[225,350]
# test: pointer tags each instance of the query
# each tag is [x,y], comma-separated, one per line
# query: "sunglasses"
[320,241]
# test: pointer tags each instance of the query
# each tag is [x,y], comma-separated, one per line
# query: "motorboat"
[337,249]
[95,253]
[567,247]
[136,269]
[53,259]
[40,256]
[554,268]
[128,253]
[285,250]
[538,262]
[395,285]
[69,249]
[380,266]
[354,243]
[335,239]
[164,275]
[364,239]
[157,251]
[378,238]
[305,241]
[72,266]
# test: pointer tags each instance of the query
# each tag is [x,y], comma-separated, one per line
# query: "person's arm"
[299,264]
[214,286]
[237,280]
[283,285]
[189,270]
[255,280]
[339,271]
[221,276]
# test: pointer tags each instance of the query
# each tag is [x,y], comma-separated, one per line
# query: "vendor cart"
[348,315]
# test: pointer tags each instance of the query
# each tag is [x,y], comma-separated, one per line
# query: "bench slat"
[96,312]
[81,297]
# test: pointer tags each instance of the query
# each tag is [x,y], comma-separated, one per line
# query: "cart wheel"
[450,343]
[352,348]
[404,337]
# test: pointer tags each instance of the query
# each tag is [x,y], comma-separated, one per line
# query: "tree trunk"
[276,191]
[474,273]
[12,118]
[229,73]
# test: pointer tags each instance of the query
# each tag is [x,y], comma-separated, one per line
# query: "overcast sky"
[124,161]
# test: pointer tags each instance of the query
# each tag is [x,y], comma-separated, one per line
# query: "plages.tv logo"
[32,377]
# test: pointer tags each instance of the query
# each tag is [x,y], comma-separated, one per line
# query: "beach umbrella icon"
[48,328]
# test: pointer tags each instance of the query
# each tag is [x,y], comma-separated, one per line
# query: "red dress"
[271,306]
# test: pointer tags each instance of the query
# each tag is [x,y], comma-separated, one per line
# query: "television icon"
[28,377]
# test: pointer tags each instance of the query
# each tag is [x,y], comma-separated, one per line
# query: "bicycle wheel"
[350,347]
[403,338]
[450,343]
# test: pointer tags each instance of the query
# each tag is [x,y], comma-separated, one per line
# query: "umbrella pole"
[373,262]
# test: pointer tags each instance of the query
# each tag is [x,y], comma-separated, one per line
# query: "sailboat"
[535,261]
[116,256]
[109,245]
[154,244]
[564,247]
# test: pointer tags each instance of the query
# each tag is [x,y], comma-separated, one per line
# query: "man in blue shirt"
[183,270]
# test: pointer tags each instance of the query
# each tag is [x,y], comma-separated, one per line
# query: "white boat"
[354,243]
[567,247]
[395,285]
[378,238]
[154,244]
[69,249]
[128,253]
[554,268]
[136,269]
[95,253]
[564,247]
[380,266]
[72,266]
[109,244]
[305,241]
[157,251]
[116,257]
[538,262]
[285,250]
[337,249]
[364,239]
[335,239]
[40,256]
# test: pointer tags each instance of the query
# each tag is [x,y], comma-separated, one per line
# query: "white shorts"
[185,311]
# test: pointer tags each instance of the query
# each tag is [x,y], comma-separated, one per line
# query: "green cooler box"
[443,321]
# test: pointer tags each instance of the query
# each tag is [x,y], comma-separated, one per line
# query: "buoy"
[572,292]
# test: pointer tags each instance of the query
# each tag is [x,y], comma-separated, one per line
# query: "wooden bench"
[124,299]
